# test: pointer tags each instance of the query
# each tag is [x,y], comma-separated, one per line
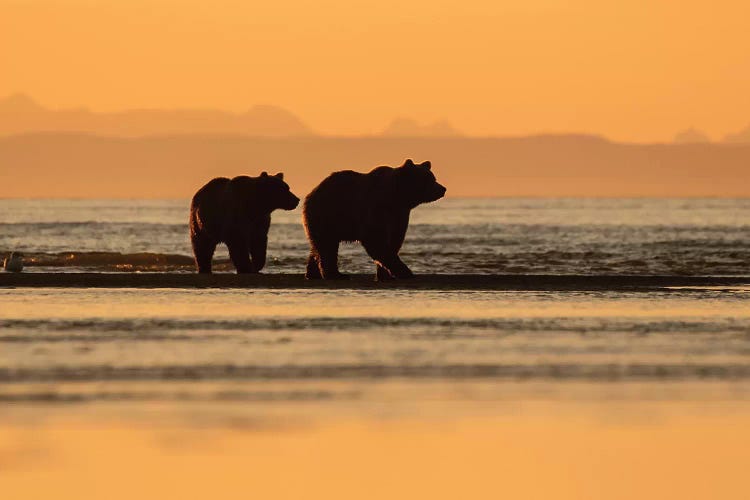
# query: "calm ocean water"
[105,344]
[486,236]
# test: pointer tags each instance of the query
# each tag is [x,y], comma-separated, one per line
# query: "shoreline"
[500,282]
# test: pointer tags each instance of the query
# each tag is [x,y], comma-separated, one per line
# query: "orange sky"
[631,70]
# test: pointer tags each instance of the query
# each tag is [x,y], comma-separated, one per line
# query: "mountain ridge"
[92,166]
[19,113]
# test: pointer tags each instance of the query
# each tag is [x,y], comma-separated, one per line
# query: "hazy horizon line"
[400,127]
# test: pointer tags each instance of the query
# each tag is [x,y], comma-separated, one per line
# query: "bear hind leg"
[313,267]
[239,254]
[382,274]
[203,250]
[328,260]
[387,259]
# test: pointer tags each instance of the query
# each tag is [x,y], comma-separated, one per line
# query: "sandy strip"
[361,281]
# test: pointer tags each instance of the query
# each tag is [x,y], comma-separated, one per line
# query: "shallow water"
[381,393]
[55,336]
[487,236]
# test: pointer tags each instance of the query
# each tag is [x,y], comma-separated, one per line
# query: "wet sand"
[366,281]
[528,441]
[530,458]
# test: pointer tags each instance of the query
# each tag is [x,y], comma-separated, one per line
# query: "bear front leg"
[258,247]
[203,250]
[240,256]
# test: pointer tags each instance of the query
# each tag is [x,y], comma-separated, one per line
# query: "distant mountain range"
[91,166]
[743,136]
[691,136]
[694,136]
[405,127]
[20,114]
[162,153]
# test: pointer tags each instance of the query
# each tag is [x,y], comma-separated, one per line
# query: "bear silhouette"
[237,212]
[371,208]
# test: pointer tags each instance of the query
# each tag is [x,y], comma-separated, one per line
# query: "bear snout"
[440,190]
[292,203]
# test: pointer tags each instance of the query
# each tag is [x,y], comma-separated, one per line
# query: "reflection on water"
[529,450]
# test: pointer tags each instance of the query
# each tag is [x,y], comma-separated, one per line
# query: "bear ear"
[408,163]
[280,175]
[264,174]
[426,164]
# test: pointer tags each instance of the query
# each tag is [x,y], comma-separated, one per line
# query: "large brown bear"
[371,208]
[237,212]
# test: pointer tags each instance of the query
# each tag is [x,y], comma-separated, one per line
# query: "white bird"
[13,263]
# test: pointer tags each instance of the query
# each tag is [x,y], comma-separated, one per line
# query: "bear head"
[250,196]
[276,192]
[417,183]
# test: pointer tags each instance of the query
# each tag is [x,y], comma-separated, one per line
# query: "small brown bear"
[371,208]
[237,212]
